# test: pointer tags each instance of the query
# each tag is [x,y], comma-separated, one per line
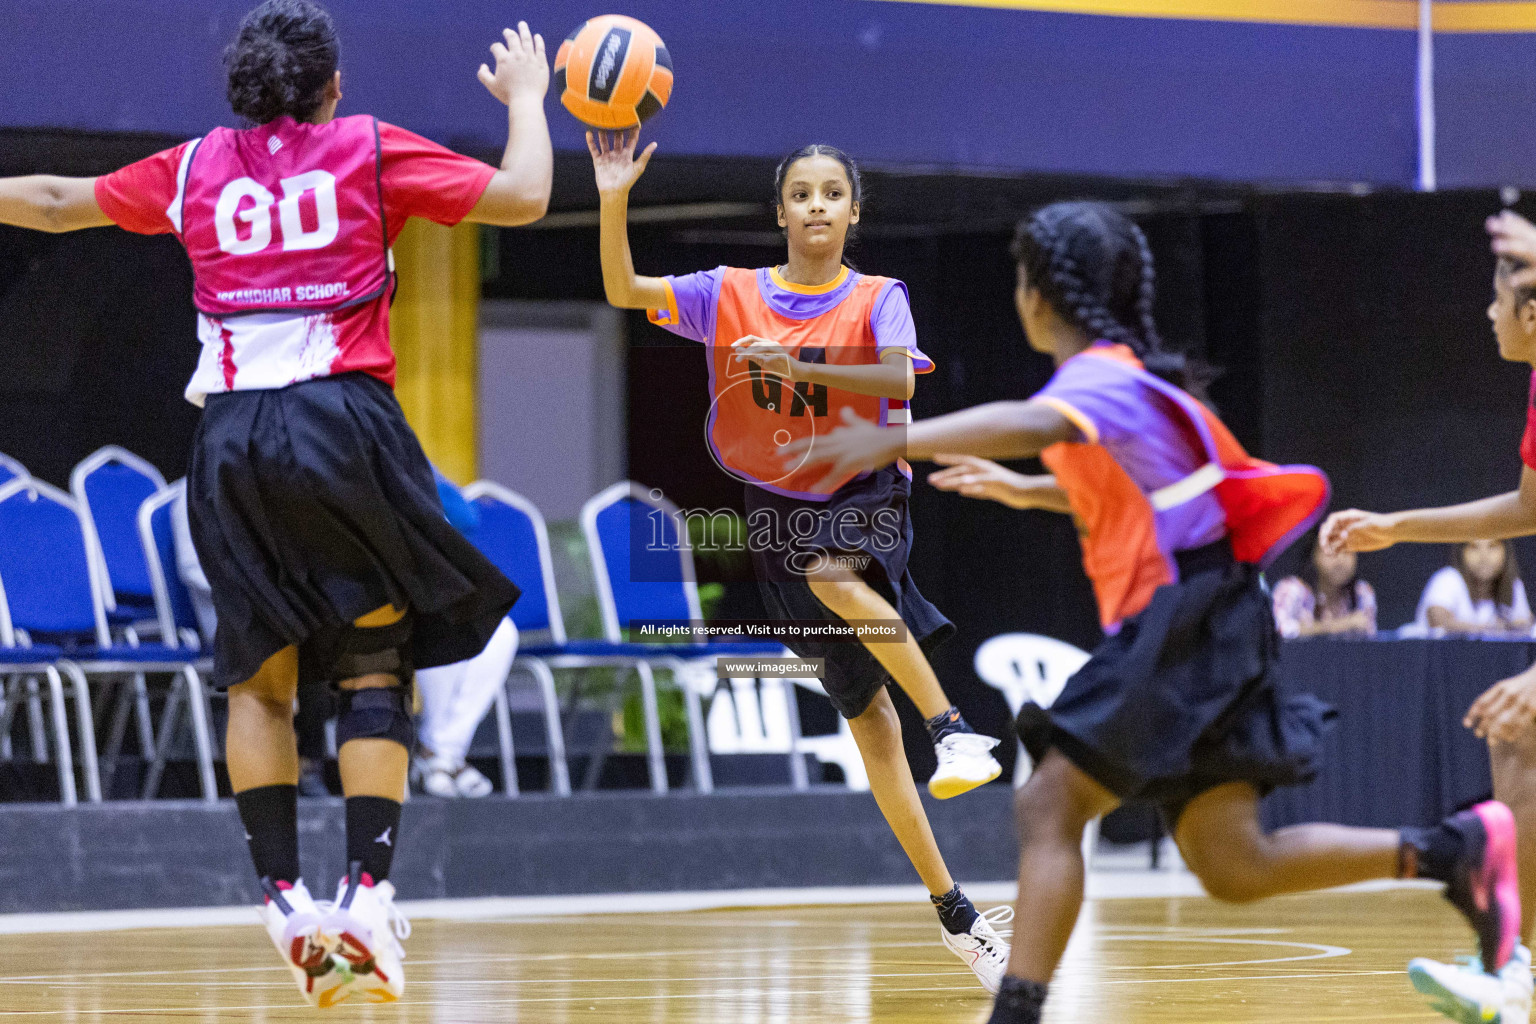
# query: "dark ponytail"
[1094,267]
[281,61]
[855,180]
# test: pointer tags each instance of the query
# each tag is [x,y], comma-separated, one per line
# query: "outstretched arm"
[46,202]
[1498,518]
[613,160]
[982,478]
[998,430]
[519,192]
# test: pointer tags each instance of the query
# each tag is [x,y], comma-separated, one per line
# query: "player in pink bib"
[313,509]
[1180,705]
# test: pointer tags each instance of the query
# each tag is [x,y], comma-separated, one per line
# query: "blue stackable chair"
[110,485]
[10,469]
[178,625]
[511,533]
[659,583]
[53,594]
[22,661]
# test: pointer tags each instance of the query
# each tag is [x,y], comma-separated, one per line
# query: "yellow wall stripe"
[434,325]
[1480,16]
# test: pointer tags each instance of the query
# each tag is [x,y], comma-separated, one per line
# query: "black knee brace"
[380,650]
[377,713]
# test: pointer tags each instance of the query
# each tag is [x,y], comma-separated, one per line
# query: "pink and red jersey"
[1157,473]
[852,320]
[288,227]
[1528,442]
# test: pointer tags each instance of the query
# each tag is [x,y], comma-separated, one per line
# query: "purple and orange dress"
[793,522]
[1178,523]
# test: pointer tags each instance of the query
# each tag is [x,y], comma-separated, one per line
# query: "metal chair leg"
[36,728]
[7,715]
[117,731]
[504,740]
[62,753]
[559,770]
[170,718]
[202,732]
[87,731]
[141,712]
[655,755]
[698,736]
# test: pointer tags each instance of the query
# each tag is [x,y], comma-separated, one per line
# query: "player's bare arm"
[47,202]
[519,192]
[617,169]
[1500,517]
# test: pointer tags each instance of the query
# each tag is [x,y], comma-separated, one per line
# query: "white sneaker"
[471,782]
[982,948]
[435,776]
[965,762]
[293,921]
[1465,993]
[367,927]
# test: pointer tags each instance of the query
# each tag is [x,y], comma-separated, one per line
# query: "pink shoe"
[1485,883]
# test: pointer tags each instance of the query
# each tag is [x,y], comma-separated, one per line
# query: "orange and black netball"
[613,72]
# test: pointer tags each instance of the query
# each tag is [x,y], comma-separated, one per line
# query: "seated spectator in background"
[1479,592]
[1328,598]
[454,698]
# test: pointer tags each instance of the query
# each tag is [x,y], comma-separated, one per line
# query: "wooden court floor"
[1326,958]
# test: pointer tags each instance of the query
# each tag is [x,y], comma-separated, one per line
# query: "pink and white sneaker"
[365,928]
[1484,883]
[293,921]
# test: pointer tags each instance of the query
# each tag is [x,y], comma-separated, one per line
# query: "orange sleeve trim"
[665,317]
[1080,421]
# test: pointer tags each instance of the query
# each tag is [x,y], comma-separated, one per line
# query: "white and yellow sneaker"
[365,928]
[965,762]
[1466,994]
[293,921]
[982,948]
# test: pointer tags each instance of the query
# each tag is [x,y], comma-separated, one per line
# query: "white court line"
[1102,885]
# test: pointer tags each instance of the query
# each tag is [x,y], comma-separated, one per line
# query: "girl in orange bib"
[792,349]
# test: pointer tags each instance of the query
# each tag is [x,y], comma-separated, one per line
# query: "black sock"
[373,824]
[271,819]
[956,913]
[945,723]
[1429,852]
[1018,1002]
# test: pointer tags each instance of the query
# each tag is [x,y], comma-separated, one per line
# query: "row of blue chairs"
[89,592]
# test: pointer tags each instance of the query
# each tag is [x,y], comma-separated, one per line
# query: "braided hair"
[1094,267]
[285,54]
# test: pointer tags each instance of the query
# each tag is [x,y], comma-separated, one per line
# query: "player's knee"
[1232,870]
[375,713]
[1043,811]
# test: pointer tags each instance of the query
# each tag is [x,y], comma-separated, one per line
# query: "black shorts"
[1185,697]
[868,519]
[311,506]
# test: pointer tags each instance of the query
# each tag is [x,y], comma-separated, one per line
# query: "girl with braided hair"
[1180,705]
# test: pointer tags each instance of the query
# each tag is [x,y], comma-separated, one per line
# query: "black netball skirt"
[1186,697]
[867,524]
[313,505]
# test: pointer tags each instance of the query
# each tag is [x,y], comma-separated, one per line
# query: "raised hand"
[1514,237]
[522,70]
[613,158]
[1355,530]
